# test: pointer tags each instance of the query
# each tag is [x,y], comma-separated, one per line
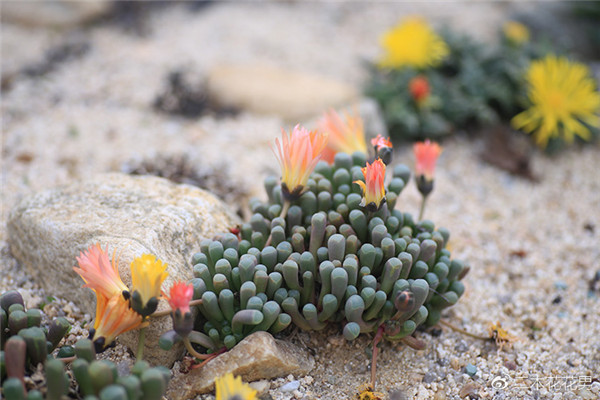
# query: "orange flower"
[380,142]
[419,88]
[345,135]
[113,317]
[298,155]
[180,296]
[426,155]
[98,273]
[373,189]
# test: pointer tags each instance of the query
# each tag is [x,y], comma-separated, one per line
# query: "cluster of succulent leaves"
[26,344]
[326,261]
[477,85]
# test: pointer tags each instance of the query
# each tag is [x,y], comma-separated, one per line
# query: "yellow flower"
[412,44]
[345,135]
[563,99]
[298,155]
[113,317]
[99,273]
[229,388]
[515,32]
[373,186]
[147,276]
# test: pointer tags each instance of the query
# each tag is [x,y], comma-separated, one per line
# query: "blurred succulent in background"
[467,86]
[563,102]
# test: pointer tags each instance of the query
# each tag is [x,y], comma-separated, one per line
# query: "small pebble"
[468,390]
[511,365]
[560,285]
[308,380]
[429,377]
[470,369]
[298,395]
[290,386]
[586,394]
[461,347]
[260,386]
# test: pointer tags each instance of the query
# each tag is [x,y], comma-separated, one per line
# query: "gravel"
[88,115]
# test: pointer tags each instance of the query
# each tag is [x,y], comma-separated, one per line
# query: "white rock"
[130,215]
[269,90]
[290,386]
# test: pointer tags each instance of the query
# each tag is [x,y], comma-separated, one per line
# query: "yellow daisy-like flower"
[515,32]
[230,388]
[563,97]
[147,276]
[412,44]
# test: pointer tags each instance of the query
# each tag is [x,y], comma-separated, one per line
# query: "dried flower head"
[147,276]
[366,392]
[346,135]
[229,388]
[298,155]
[113,317]
[412,43]
[419,89]
[373,187]
[383,148]
[99,273]
[564,101]
[501,335]
[380,142]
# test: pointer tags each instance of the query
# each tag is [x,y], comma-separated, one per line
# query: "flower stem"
[284,210]
[460,330]
[157,314]
[283,214]
[140,350]
[194,353]
[422,209]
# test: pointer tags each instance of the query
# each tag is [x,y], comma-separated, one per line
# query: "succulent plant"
[25,343]
[328,260]
[18,323]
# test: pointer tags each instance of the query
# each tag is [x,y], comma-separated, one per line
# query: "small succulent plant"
[326,260]
[26,343]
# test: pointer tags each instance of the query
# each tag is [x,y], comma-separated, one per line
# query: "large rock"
[269,90]
[259,356]
[130,215]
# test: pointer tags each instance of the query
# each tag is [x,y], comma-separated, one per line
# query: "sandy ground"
[533,247]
